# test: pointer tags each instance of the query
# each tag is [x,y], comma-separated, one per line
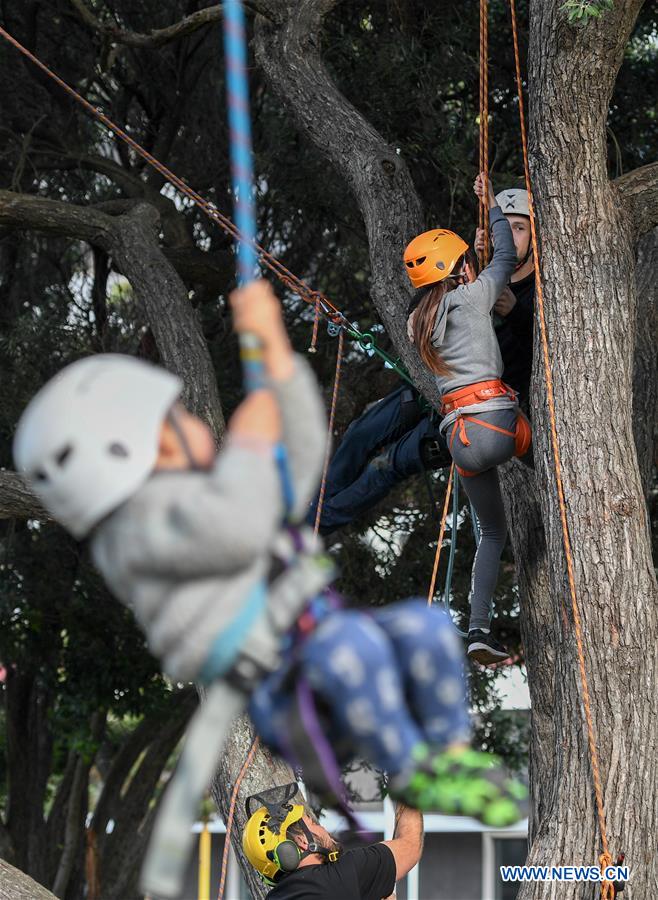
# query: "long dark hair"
[425,318]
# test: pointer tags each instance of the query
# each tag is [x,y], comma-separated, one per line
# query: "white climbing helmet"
[514,202]
[90,437]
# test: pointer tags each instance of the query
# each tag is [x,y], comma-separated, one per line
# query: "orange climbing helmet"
[432,255]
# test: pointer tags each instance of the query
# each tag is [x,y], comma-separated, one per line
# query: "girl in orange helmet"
[450,322]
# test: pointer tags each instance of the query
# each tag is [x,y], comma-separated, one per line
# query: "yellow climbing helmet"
[265,838]
[432,255]
[271,852]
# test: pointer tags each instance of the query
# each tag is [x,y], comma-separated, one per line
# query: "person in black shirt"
[394,438]
[514,309]
[305,862]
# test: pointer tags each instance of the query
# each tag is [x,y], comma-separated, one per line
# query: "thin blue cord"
[242,173]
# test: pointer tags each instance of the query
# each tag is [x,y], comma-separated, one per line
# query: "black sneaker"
[484,649]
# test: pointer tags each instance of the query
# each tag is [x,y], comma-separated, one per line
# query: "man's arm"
[407,843]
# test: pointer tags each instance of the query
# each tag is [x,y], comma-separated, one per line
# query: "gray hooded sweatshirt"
[190,551]
[464,334]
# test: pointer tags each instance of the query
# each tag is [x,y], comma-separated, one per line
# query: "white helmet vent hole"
[64,455]
[120,450]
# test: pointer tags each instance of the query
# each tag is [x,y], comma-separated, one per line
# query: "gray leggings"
[487,449]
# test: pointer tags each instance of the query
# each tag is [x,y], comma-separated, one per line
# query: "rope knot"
[610,889]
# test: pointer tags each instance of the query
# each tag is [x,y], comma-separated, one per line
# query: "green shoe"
[465,782]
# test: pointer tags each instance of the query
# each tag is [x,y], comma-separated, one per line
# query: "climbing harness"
[481,392]
[607,887]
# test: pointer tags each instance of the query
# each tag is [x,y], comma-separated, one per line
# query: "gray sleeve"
[217,525]
[492,280]
[304,432]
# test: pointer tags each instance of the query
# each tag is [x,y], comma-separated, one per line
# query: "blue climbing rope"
[242,173]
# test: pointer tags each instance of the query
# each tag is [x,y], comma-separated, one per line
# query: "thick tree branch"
[54,217]
[15,885]
[287,48]
[174,227]
[639,190]
[16,501]
[160,36]
[132,239]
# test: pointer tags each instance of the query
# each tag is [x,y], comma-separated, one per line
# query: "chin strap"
[174,421]
[313,847]
[525,258]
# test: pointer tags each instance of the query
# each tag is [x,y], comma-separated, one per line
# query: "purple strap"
[326,757]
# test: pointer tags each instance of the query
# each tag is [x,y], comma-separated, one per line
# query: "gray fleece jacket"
[189,552]
[464,334]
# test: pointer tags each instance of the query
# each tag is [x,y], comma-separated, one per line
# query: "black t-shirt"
[514,333]
[367,873]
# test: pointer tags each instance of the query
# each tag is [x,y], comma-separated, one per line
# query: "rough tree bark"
[15,885]
[263,773]
[588,229]
[645,372]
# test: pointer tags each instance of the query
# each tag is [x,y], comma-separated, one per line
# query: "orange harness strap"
[459,424]
[522,435]
[475,393]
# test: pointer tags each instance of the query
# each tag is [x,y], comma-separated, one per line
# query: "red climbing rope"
[231,814]
[442,529]
[332,417]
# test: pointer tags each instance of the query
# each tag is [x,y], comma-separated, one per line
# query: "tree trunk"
[588,267]
[128,793]
[29,751]
[264,772]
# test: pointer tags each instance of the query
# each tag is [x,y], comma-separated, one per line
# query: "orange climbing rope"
[282,273]
[483,208]
[332,417]
[442,529]
[231,814]
[607,889]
